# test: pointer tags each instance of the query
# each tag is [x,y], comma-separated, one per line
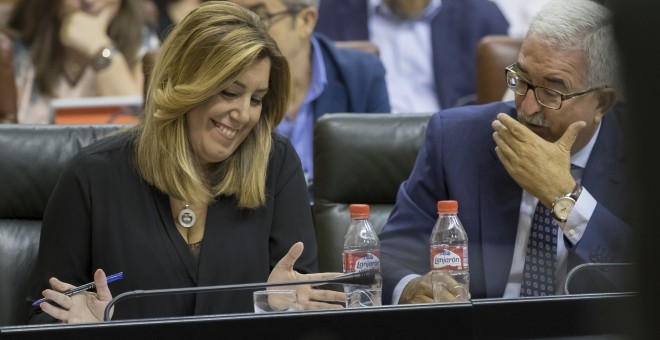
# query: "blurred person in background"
[326,79]
[76,48]
[428,47]
[519,13]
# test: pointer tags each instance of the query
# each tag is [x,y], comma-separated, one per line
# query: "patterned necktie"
[541,257]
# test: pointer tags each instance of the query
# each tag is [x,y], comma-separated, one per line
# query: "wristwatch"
[562,205]
[103,59]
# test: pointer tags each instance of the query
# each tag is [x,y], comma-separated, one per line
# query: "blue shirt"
[300,130]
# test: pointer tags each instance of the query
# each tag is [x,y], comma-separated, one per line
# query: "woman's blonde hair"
[202,56]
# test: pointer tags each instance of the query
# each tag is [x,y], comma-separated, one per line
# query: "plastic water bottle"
[449,255]
[361,252]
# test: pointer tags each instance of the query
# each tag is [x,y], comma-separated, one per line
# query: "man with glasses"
[553,162]
[325,78]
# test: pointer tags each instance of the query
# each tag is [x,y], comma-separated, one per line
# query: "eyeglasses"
[546,97]
[267,18]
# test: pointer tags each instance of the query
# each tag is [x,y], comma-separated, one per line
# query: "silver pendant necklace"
[187,217]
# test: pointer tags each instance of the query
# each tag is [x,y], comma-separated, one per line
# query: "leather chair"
[32,157]
[494,53]
[359,158]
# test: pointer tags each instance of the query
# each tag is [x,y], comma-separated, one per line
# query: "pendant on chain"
[187,217]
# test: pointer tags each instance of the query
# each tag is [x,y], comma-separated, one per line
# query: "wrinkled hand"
[86,33]
[81,307]
[538,166]
[420,290]
[447,289]
[308,298]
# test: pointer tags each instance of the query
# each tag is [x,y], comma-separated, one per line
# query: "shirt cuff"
[396,294]
[577,221]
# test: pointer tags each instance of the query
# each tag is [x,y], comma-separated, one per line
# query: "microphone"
[364,278]
[592,265]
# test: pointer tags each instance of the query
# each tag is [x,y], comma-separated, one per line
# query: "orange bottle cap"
[359,210]
[447,207]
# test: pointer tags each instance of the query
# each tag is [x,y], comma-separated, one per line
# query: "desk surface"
[565,316]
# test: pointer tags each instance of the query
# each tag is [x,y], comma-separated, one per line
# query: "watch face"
[103,59]
[562,208]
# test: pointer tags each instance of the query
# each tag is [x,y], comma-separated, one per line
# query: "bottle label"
[449,258]
[359,261]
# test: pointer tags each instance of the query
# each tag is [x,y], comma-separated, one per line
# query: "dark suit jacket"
[457,161]
[356,81]
[455,32]
[102,214]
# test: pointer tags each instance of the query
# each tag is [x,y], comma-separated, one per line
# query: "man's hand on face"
[538,166]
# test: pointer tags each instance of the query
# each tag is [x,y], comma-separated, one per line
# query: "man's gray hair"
[581,25]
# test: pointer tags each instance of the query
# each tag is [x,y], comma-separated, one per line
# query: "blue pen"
[85,287]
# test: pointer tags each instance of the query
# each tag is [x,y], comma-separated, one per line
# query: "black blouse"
[102,214]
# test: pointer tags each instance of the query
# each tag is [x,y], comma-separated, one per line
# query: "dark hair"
[36,24]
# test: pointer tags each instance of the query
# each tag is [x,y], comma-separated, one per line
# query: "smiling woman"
[186,85]
[219,125]
[199,193]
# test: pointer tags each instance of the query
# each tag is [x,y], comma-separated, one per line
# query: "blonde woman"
[200,193]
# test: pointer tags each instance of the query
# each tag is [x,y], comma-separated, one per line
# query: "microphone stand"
[591,265]
[366,277]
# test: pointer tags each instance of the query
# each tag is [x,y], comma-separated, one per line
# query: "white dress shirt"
[519,14]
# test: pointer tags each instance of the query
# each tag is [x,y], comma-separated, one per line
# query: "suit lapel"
[499,209]
[334,98]
[605,166]
[605,173]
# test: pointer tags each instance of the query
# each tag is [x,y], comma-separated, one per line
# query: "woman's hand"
[81,307]
[308,298]
[86,33]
